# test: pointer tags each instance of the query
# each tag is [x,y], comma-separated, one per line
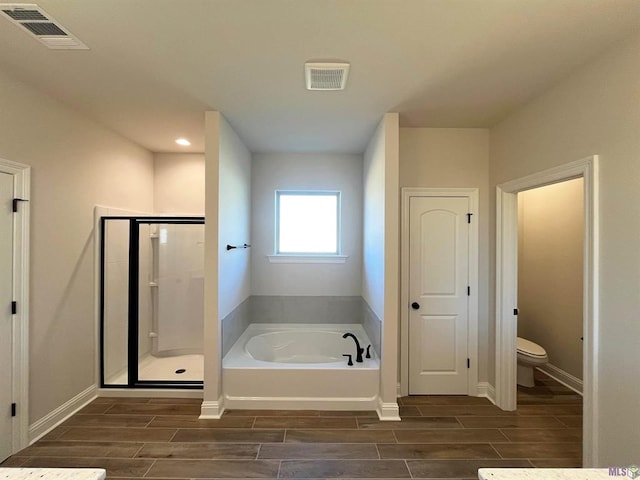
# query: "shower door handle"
[415,305]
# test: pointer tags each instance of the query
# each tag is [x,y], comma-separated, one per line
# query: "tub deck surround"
[300,366]
[157,438]
[299,346]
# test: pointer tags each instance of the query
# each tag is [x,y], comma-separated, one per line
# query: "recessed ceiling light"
[183,141]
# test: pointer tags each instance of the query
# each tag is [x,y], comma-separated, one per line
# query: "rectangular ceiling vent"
[42,26]
[326,76]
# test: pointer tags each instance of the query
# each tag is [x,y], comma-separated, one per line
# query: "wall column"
[212,402]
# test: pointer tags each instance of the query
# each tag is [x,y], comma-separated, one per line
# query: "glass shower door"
[171,306]
[152,301]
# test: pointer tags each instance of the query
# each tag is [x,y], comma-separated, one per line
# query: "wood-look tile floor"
[438,437]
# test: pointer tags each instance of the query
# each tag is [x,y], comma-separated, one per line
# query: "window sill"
[307,258]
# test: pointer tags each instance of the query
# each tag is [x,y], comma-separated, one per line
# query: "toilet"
[530,355]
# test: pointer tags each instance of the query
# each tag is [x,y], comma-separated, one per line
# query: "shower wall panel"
[372,325]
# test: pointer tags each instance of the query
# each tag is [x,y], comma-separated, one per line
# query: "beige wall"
[550,238]
[391,320]
[596,110]
[179,183]
[212,328]
[76,164]
[455,157]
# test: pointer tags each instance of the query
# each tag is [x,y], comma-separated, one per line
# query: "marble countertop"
[544,473]
[52,474]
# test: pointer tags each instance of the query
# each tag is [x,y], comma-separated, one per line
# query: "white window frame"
[308,257]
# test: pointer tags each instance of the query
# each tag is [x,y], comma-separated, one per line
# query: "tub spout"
[359,351]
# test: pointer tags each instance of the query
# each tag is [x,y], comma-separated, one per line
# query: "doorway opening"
[507,295]
[550,259]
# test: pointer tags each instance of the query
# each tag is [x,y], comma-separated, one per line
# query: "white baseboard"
[300,403]
[212,409]
[563,377]
[147,392]
[388,411]
[51,420]
[486,390]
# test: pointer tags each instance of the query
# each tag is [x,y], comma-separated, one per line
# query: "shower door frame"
[133,300]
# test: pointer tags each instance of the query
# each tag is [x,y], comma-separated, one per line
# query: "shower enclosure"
[151,300]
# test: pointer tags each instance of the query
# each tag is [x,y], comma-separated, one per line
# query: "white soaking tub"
[300,366]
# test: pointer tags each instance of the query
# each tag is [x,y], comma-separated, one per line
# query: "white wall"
[455,157]
[291,171]
[550,238]
[179,183]
[373,229]
[227,210]
[596,111]
[381,249]
[76,164]
[234,223]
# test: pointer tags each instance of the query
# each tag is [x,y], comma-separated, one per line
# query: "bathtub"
[299,367]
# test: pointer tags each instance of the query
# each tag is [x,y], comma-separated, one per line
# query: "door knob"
[415,305]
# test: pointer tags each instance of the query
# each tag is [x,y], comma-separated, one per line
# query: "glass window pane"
[308,223]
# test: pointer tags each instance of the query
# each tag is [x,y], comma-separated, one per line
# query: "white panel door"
[6,327]
[438,294]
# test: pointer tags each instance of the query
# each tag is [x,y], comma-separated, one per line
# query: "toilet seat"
[529,348]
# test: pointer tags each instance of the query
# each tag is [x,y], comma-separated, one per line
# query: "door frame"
[506,289]
[20,279]
[472,330]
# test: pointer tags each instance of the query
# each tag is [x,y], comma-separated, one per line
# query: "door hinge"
[468,363]
[14,307]
[515,311]
[469,217]
[468,291]
[13,409]
[15,203]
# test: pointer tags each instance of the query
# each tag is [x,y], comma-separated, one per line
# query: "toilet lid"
[530,348]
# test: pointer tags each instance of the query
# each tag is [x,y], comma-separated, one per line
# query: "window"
[307,223]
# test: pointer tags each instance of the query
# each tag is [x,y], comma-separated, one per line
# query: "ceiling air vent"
[326,76]
[39,24]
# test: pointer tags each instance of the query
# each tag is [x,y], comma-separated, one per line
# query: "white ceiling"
[154,66]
